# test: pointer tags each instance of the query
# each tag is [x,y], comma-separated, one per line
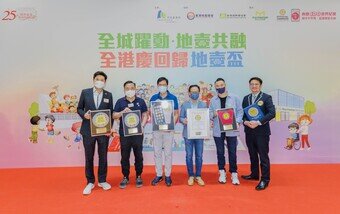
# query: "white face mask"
[130,93]
[99,84]
[162,88]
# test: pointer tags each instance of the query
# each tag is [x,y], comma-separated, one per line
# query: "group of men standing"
[257,133]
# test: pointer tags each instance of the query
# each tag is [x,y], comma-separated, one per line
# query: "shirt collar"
[128,100]
[167,95]
[256,94]
[96,92]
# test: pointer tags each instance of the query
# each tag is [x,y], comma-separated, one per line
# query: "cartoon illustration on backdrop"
[34,120]
[299,130]
[55,112]
[67,104]
[304,121]
[207,93]
[51,132]
[77,136]
[293,140]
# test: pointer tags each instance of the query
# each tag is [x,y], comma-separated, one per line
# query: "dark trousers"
[127,144]
[90,145]
[258,146]
[232,147]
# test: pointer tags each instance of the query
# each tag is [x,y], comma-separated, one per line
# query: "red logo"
[295,15]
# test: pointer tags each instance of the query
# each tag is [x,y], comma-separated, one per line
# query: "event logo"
[295,15]
[282,16]
[233,16]
[19,14]
[161,16]
[191,15]
[318,15]
[260,15]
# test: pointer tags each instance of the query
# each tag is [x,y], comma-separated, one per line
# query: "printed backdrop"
[50,50]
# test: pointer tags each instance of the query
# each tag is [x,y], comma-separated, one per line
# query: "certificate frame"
[226,119]
[132,123]
[163,118]
[100,122]
[253,112]
[198,126]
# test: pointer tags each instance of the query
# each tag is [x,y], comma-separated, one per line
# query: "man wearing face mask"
[125,104]
[225,100]
[95,98]
[258,133]
[163,139]
[191,144]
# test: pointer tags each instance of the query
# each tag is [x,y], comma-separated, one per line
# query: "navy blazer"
[268,109]
[86,102]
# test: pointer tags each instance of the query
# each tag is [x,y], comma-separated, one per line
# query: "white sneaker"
[104,185]
[88,189]
[223,177]
[309,148]
[234,179]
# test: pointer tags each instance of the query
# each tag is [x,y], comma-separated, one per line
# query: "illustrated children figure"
[304,121]
[50,128]
[78,138]
[67,99]
[34,129]
[294,135]
[74,100]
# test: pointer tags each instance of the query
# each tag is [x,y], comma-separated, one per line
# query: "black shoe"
[139,182]
[156,180]
[124,183]
[168,181]
[262,185]
[249,177]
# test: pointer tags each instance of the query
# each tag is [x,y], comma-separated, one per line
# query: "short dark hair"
[256,78]
[193,86]
[100,73]
[129,82]
[219,79]
[50,116]
[162,79]
[34,120]
[293,125]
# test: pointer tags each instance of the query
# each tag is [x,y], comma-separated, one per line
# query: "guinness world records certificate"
[198,123]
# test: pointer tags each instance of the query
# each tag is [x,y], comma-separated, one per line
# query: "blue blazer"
[86,102]
[268,109]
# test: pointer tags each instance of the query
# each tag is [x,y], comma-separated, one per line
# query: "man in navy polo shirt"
[125,104]
[163,140]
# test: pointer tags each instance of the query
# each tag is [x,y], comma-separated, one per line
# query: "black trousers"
[127,144]
[90,145]
[258,146]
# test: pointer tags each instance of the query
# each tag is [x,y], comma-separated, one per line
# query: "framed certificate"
[198,123]
[100,122]
[226,119]
[163,115]
[253,112]
[132,123]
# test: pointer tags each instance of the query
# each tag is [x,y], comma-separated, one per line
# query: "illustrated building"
[288,106]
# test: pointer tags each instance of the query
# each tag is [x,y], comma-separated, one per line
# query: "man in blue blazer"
[95,98]
[258,133]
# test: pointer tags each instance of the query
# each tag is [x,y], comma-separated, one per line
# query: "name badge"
[130,105]
[106,100]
